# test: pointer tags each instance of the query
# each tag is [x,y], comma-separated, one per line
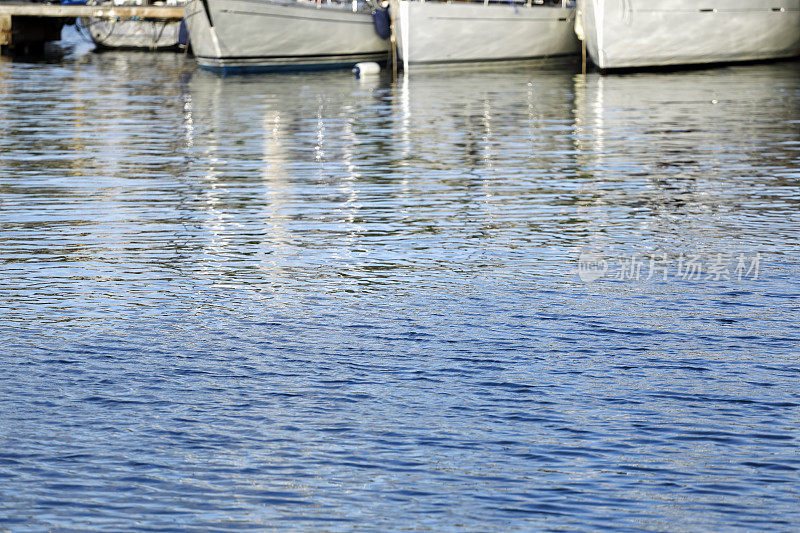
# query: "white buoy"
[366,69]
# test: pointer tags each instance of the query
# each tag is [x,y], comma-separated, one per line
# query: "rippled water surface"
[464,301]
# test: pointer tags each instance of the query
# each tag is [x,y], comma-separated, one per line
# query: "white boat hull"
[646,33]
[434,32]
[234,36]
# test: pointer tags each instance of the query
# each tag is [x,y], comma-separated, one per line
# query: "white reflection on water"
[292,300]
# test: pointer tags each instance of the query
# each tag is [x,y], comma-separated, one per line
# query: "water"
[312,302]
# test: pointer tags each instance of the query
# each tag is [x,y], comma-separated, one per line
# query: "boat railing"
[360,5]
[354,5]
[369,5]
[566,4]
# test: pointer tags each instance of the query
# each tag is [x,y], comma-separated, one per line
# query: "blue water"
[311,302]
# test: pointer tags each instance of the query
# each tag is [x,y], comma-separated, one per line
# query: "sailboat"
[438,32]
[133,34]
[647,33]
[241,36]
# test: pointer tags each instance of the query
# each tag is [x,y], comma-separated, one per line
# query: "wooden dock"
[28,26]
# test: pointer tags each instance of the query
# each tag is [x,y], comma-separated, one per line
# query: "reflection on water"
[703,160]
[313,301]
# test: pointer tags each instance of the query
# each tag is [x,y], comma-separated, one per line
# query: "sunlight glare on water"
[309,301]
